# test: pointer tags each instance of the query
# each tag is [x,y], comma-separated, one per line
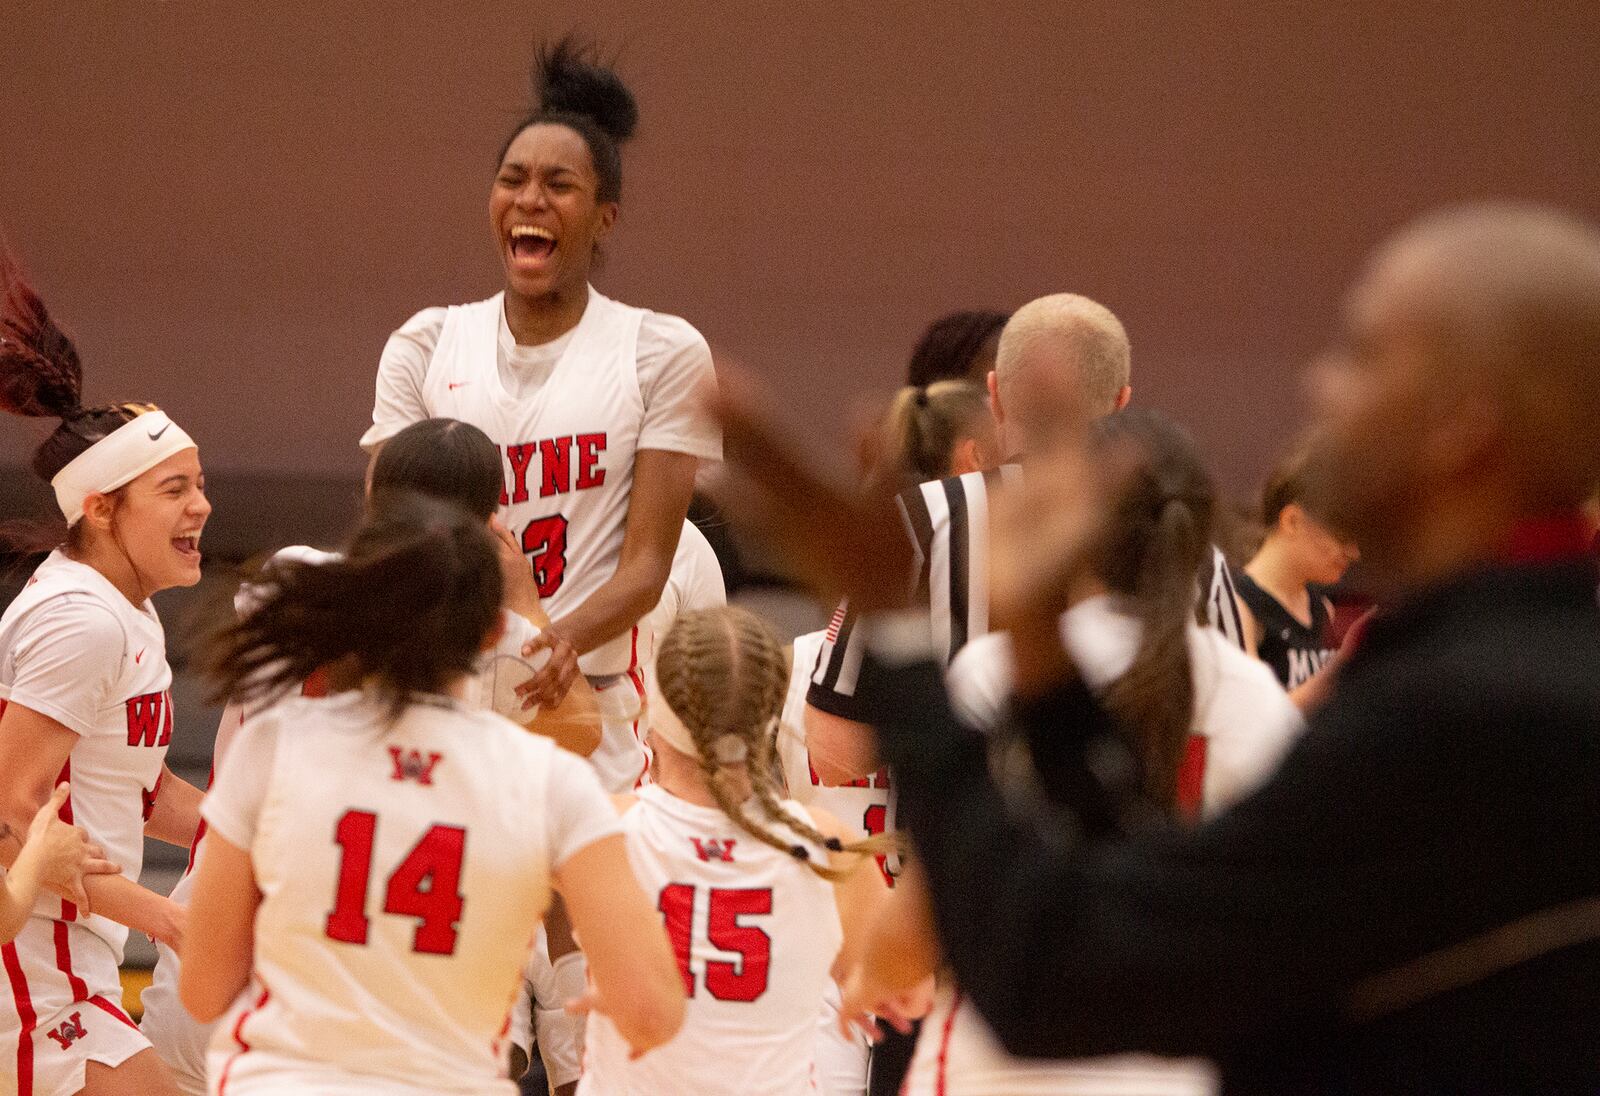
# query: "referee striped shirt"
[948,520]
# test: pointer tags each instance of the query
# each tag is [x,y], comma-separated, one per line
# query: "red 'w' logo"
[70,1031]
[411,765]
[713,848]
[150,720]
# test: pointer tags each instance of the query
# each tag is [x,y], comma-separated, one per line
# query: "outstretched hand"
[838,541]
[61,853]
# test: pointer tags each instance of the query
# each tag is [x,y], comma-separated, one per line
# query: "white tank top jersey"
[73,648]
[864,803]
[1244,723]
[755,932]
[568,442]
[403,868]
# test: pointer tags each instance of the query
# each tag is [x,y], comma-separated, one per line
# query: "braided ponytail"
[724,675]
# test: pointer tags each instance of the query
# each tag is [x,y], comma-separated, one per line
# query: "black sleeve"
[1074,944]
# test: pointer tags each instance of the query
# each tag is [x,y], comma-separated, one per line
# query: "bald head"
[1505,300]
[1077,338]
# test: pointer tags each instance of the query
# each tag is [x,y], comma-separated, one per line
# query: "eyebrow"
[178,478]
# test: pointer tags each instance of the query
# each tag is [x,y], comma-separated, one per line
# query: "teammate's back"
[756,932]
[403,870]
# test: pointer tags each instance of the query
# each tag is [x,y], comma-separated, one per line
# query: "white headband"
[117,459]
[665,722]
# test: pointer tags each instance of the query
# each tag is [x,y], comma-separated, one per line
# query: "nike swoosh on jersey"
[157,435]
[140,655]
[453,385]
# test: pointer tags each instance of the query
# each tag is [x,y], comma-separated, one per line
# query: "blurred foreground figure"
[1410,904]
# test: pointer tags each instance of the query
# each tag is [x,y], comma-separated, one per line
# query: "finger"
[80,897]
[100,866]
[93,851]
[59,796]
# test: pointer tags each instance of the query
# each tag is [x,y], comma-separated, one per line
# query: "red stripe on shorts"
[25,1013]
[80,990]
[238,1037]
[103,1005]
[69,911]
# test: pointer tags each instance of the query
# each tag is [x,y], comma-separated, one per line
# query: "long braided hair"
[724,675]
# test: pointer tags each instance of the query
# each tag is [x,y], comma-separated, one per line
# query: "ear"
[967,456]
[1124,397]
[496,631]
[98,510]
[993,382]
[608,213]
[1292,518]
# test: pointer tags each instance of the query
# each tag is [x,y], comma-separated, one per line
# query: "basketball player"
[377,861]
[443,459]
[84,696]
[1207,721]
[54,854]
[555,971]
[1285,620]
[590,400]
[761,897]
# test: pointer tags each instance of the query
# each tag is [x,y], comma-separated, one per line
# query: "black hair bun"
[569,78]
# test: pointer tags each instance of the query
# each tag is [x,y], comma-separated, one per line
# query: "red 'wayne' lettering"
[150,720]
[555,466]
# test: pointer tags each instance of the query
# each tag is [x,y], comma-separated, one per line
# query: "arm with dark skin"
[663,483]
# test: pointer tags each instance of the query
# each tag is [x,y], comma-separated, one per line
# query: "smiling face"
[157,520]
[544,211]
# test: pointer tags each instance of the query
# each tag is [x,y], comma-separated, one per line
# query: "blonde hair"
[1070,328]
[724,675]
[923,425]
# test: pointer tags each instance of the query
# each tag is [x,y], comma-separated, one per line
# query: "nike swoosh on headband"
[157,435]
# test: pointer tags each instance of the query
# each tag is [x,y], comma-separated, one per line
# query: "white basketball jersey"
[403,871]
[567,451]
[1243,723]
[116,764]
[755,932]
[865,803]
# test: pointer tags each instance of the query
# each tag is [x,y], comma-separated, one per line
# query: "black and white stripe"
[948,521]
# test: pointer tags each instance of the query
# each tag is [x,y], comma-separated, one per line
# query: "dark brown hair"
[443,459]
[1159,534]
[408,607]
[950,344]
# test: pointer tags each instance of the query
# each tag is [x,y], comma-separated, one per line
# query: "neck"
[113,563]
[537,320]
[1276,573]
[681,776]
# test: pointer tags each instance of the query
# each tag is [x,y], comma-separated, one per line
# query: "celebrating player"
[378,861]
[443,459]
[84,695]
[1207,722]
[590,401]
[761,896]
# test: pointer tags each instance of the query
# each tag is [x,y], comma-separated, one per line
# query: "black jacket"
[1449,787]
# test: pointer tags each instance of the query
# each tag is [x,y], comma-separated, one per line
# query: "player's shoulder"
[423,326]
[69,598]
[665,335]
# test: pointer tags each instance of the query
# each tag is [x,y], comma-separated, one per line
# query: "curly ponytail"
[724,675]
